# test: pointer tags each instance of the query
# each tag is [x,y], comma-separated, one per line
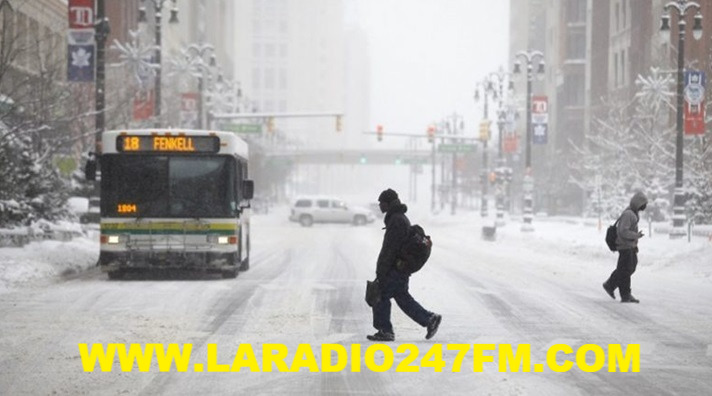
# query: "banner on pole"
[80,39]
[81,14]
[143,103]
[694,107]
[80,63]
[511,142]
[540,119]
[189,109]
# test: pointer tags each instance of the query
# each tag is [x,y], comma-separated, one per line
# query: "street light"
[531,58]
[454,124]
[102,29]
[682,6]
[196,54]
[158,8]
[492,85]
[487,89]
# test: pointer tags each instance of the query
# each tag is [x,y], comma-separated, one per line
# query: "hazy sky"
[427,55]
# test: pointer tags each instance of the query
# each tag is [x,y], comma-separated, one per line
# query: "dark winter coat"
[628,224]
[397,227]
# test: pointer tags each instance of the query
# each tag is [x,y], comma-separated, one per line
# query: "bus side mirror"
[248,189]
[90,169]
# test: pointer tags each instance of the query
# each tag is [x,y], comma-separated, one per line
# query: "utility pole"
[101,27]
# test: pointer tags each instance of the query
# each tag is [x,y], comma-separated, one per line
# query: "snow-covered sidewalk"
[41,262]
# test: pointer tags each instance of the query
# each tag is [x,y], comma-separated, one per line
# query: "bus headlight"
[114,239]
[218,239]
[222,239]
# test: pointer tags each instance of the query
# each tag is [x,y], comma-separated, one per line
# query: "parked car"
[323,209]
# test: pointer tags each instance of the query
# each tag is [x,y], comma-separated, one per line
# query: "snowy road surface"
[306,287]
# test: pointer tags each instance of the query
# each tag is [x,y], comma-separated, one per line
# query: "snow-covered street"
[306,286]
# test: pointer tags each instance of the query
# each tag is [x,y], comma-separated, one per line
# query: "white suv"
[321,209]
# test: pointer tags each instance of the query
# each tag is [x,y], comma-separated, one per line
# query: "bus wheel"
[229,274]
[359,220]
[115,274]
[245,264]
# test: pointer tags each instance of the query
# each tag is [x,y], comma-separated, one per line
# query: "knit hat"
[388,196]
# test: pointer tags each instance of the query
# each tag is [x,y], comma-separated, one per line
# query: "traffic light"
[492,177]
[431,134]
[270,124]
[484,130]
[379,132]
[338,123]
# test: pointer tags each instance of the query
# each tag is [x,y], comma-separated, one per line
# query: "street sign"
[244,128]
[456,148]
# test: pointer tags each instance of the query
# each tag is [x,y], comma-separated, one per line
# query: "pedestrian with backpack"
[392,281]
[627,247]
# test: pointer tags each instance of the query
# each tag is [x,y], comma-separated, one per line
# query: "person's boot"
[381,336]
[433,326]
[609,289]
[629,299]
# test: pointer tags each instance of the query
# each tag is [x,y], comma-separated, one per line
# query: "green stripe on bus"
[170,228]
[168,232]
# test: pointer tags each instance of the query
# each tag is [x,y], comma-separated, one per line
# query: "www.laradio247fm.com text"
[274,357]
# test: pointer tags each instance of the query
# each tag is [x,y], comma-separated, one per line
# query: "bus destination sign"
[163,143]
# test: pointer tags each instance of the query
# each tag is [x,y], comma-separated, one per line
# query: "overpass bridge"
[353,156]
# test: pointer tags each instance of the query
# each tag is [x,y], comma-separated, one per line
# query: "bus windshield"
[168,186]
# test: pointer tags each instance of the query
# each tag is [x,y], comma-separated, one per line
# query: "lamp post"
[454,125]
[502,173]
[487,88]
[492,86]
[197,54]
[681,6]
[102,30]
[531,58]
[158,8]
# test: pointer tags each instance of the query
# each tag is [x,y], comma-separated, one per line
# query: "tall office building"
[290,57]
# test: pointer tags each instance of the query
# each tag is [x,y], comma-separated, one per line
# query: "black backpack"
[612,235]
[415,251]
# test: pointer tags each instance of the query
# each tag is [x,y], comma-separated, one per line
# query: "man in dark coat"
[627,246]
[392,281]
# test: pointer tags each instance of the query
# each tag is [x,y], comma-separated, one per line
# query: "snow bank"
[46,261]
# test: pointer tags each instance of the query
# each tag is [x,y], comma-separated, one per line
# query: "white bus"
[174,199]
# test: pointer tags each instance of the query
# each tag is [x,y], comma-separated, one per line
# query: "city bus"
[174,199]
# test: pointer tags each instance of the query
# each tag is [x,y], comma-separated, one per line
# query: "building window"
[623,79]
[576,46]
[256,50]
[269,51]
[615,70]
[618,17]
[256,78]
[269,78]
[625,13]
[574,90]
[283,79]
[576,11]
